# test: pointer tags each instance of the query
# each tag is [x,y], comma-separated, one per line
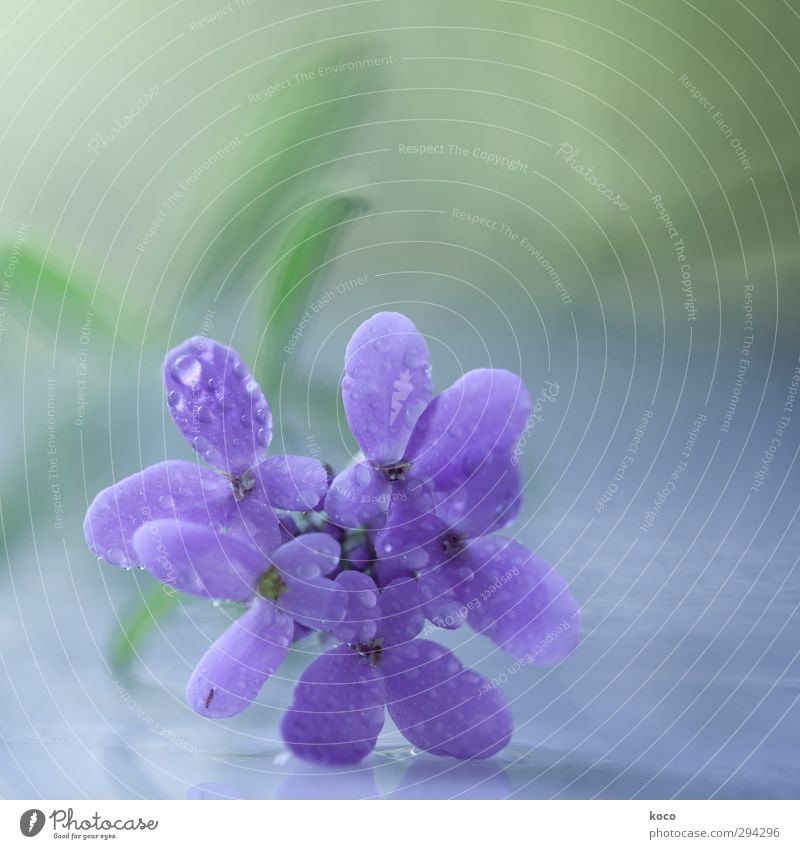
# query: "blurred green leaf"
[308,245]
[61,296]
[154,603]
[289,134]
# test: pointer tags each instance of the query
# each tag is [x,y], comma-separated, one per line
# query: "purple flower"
[406,433]
[219,408]
[339,703]
[440,486]
[289,589]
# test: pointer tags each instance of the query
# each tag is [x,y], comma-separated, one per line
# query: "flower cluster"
[406,534]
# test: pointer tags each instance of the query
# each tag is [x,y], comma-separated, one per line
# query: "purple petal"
[387,385]
[337,710]
[217,404]
[317,603]
[438,591]
[440,706]
[412,536]
[359,555]
[195,559]
[361,620]
[486,500]
[519,602]
[292,483]
[401,612]
[307,556]
[483,412]
[357,496]
[300,632]
[233,671]
[173,489]
[252,519]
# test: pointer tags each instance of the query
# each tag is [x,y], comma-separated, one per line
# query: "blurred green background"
[584,192]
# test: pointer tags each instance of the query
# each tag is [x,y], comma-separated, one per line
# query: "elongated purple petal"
[519,602]
[360,623]
[440,706]
[401,612]
[317,603]
[483,412]
[173,489]
[307,556]
[292,483]
[337,710]
[357,496]
[217,404]
[485,500]
[233,671]
[194,559]
[386,386]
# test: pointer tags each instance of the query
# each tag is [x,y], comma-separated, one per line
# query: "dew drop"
[367,599]
[212,456]
[261,436]
[204,415]
[115,556]
[186,370]
[261,414]
[245,420]
[165,502]
[308,571]
[173,397]
[215,602]
[251,386]
[240,369]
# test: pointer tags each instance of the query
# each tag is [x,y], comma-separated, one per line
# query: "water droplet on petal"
[261,436]
[115,556]
[186,370]
[367,599]
[240,369]
[165,502]
[251,386]
[261,414]
[204,415]
[173,397]
[307,571]
[212,457]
